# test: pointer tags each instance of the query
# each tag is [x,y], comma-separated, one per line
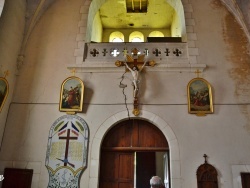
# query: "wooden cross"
[135,59]
[131,62]
[205,156]
[67,138]
[197,72]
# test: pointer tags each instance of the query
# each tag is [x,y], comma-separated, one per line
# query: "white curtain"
[165,167]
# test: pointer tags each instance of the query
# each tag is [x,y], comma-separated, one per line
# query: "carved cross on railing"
[94,52]
[125,52]
[115,52]
[157,52]
[146,52]
[167,52]
[104,52]
[177,52]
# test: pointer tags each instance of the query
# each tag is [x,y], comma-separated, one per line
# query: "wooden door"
[117,170]
[245,179]
[207,176]
[117,154]
[17,178]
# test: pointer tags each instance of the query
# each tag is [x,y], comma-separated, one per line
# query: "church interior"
[125,93]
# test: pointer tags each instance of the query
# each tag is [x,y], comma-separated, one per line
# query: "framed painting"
[4,90]
[200,100]
[71,95]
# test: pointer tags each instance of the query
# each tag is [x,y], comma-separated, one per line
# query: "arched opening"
[116,37]
[164,15]
[131,153]
[156,34]
[136,36]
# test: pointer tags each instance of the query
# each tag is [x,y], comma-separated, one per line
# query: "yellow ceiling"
[114,14]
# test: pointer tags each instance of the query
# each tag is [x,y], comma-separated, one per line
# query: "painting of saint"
[4,89]
[72,94]
[199,96]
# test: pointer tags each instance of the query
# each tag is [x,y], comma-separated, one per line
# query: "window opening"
[156,34]
[116,36]
[136,36]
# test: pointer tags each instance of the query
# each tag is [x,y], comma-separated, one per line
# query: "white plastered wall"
[12,22]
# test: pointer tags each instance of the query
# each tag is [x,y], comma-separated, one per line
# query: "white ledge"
[111,67]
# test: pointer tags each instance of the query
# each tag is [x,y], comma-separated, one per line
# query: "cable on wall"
[123,86]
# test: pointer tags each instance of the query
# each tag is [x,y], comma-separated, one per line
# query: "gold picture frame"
[71,95]
[200,99]
[4,91]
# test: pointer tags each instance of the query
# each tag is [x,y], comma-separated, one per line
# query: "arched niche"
[95,146]
[207,175]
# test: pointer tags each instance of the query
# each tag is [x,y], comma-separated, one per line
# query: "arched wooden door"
[130,142]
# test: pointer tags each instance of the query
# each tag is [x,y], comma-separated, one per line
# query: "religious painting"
[4,90]
[71,97]
[67,151]
[199,97]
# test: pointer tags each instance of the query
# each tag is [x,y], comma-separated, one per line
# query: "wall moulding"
[101,57]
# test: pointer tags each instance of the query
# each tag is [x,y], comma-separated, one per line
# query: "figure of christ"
[135,73]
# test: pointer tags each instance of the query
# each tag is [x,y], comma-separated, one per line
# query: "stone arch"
[1,6]
[145,115]
[176,4]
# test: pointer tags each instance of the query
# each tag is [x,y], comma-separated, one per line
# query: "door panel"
[245,179]
[117,170]
[17,178]
[126,166]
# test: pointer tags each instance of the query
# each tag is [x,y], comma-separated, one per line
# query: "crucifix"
[67,138]
[135,65]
